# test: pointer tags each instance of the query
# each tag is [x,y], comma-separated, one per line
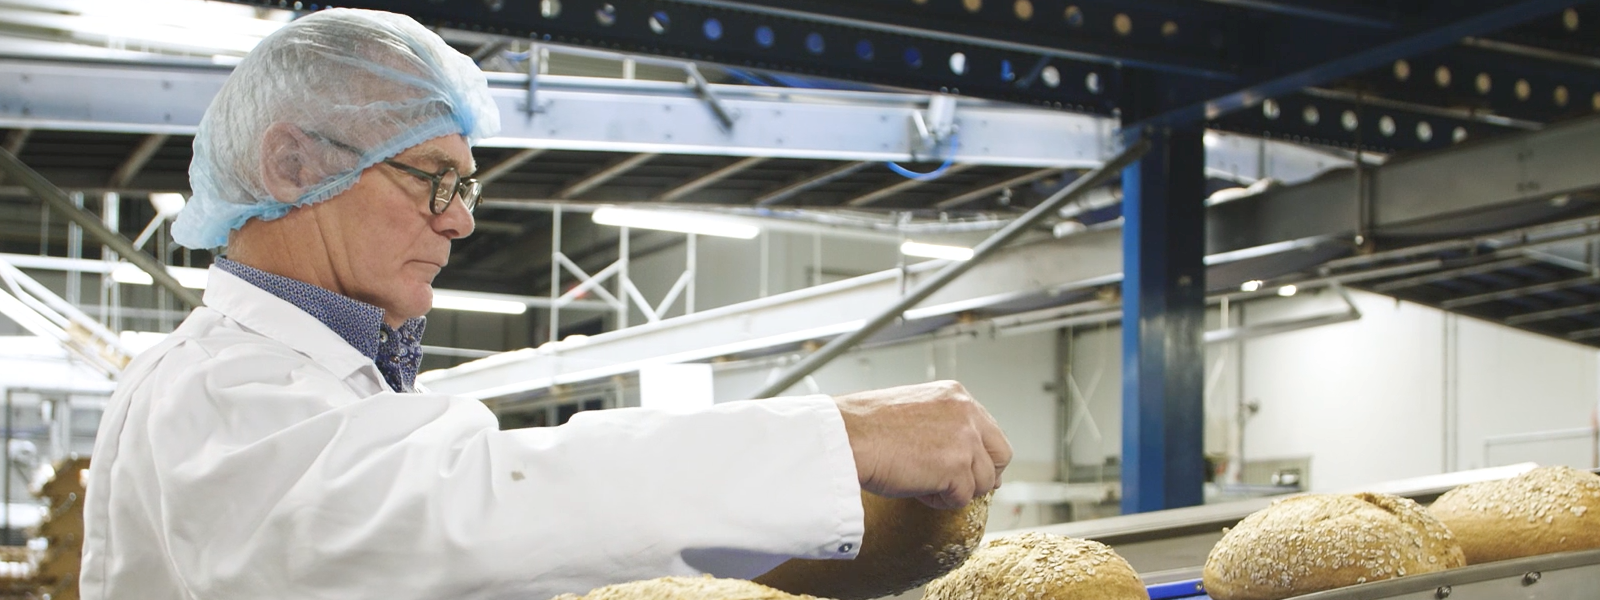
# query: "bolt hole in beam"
[723,30]
[1023,9]
[1494,79]
[1373,123]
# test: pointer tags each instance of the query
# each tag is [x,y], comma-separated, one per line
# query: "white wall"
[1363,399]
[1516,382]
[1366,400]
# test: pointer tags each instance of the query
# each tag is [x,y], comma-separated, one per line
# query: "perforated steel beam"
[1482,176]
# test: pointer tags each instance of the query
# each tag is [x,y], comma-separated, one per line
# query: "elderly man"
[275,446]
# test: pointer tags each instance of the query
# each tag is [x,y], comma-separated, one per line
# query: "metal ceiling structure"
[126,127]
[1411,60]
[1475,98]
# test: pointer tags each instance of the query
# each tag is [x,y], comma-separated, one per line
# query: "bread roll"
[906,544]
[1039,565]
[1549,509]
[1312,543]
[685,588]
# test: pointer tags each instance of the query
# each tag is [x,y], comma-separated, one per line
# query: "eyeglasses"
[447,185]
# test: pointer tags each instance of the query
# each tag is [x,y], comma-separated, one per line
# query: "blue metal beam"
[1309,54]
[1163,299]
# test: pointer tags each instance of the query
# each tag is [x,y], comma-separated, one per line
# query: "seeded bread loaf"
[1549,509]
[906,544]
[1312,543]
[685,588]
[1039,566]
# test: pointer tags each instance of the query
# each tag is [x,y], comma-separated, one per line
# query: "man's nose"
[455,222]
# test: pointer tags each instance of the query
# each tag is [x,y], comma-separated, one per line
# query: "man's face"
[384,244]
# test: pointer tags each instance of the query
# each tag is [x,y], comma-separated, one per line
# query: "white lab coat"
[255,454]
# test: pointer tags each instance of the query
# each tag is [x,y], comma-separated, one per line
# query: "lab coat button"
[846,548]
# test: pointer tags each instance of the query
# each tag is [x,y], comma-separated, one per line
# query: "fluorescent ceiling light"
[188,277]
[445,299]
[935,251]
[173,24]
[681,222]
[1288,290]
[460,301]
[1251,286]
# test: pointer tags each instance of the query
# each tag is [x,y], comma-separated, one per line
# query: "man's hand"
[930,441]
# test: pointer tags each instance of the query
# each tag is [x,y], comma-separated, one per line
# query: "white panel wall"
[1363,399]
[1515,382]
[1367,400]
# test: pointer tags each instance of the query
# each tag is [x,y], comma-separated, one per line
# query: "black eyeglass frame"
[470,190]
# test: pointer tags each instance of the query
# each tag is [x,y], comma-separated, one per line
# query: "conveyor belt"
[1565,576]
[1168,548]
[1171,545]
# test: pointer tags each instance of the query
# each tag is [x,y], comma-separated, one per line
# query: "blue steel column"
[1163,319]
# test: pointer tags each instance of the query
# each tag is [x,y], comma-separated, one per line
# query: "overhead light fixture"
[681,222]
[188,277]
[935,251]
[1251,286]
[459,301]
[191,26]
[1288,290]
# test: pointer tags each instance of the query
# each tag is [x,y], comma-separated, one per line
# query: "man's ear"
[285,155]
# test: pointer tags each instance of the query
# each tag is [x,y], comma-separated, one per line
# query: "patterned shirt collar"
[396,352]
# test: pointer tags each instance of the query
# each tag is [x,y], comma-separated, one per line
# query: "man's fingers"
[995,444]
[962,492]
[983,475]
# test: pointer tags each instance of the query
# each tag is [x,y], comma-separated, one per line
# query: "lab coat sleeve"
[276,481]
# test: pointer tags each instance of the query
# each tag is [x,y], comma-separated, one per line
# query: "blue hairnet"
[363,85]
